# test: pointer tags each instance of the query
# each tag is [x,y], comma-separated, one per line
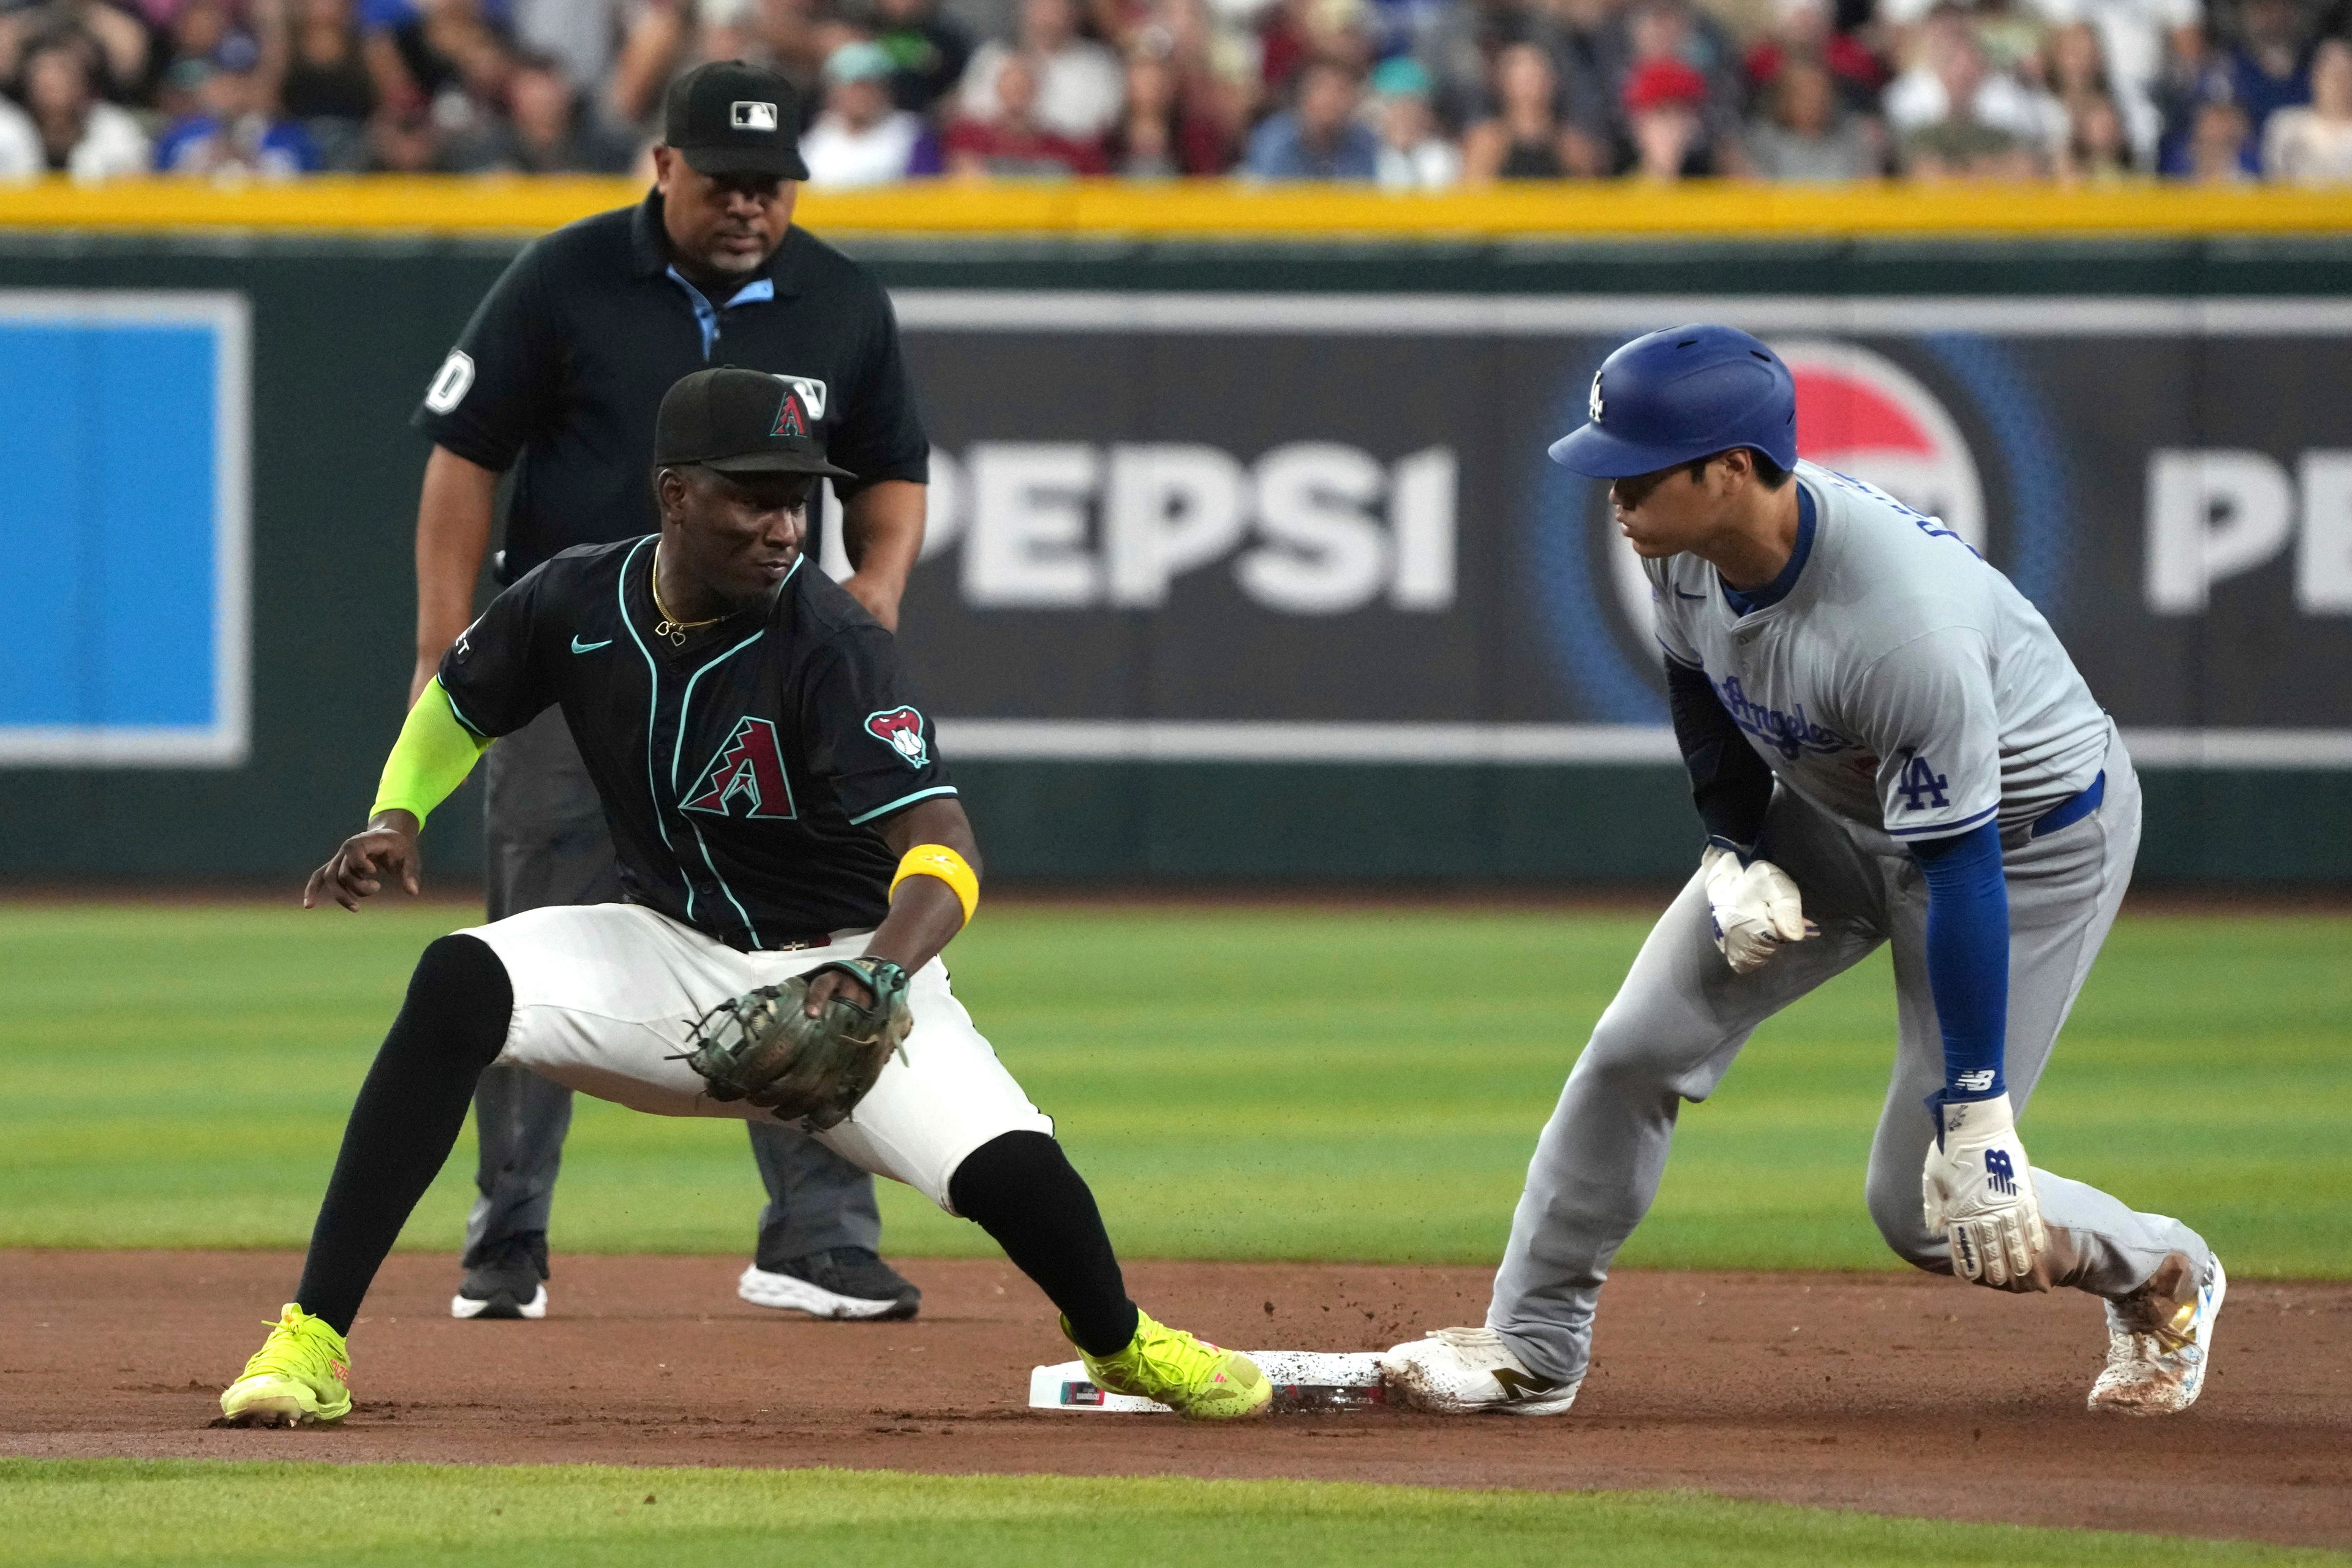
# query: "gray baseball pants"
[548,845]
[1682,1015]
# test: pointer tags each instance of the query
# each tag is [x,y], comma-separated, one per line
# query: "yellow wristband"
[939,860]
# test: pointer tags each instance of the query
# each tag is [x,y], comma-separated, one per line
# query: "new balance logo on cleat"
[2000,1175]
[1517,1386]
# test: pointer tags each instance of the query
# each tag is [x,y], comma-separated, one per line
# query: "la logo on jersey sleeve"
[750,770]
[901,730]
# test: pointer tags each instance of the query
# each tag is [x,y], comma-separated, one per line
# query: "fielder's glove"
[1977,1192]
[764,1048]
[1757,908]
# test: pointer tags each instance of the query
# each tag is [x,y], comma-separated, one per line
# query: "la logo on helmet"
[1592,404]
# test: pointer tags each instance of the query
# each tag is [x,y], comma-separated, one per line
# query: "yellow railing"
[1210,208]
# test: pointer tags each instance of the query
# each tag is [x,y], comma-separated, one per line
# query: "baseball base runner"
[1886,743]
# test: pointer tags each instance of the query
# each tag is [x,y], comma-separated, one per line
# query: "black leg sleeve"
[1021,1189]
[406,1120]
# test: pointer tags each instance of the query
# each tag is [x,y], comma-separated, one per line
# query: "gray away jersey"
[1902,683]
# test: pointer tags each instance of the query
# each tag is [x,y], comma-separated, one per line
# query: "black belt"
[2072,810]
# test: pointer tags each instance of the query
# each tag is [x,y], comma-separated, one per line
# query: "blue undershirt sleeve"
[1968,957]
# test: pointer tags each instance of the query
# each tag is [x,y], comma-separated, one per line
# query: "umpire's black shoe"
[846,1282]
[506,1279]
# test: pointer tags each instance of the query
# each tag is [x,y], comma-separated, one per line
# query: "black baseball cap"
[729,118]
[742,422]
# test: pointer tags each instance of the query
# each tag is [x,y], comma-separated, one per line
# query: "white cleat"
[2158,1352]
[1459,1372]
[500,1304]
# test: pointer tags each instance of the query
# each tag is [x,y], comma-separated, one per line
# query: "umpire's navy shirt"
[569,355]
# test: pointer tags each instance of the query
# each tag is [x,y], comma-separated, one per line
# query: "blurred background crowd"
[1406,94]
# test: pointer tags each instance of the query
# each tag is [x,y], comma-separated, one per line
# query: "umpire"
[558,376]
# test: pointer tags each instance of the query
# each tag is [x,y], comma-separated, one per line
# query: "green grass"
[119,1511]
[1236,1083]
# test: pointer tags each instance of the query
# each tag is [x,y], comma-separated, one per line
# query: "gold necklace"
[669,626]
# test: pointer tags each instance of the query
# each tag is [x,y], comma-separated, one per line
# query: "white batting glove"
[1757,908]
[1978,1191]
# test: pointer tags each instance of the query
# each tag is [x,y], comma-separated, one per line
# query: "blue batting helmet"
[1676,397]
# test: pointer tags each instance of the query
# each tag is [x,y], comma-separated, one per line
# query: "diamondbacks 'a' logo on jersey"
[1921,786]
[2000,1174]
[790,420]
[901,730]
[747,773]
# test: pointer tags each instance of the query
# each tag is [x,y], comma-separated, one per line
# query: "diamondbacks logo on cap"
[789,421]
[902,728]
[1592,403]
[811,390]
[752,114]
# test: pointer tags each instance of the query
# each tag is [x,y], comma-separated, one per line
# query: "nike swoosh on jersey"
[579,647]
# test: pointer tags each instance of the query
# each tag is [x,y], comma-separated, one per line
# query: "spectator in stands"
[863,138]
[1413,155]
[1527,139]
[2078,76]
[1216,68]
[113,44]
[1685,65]
[2150,50]
[1970,117]
[1803,30]
[236,128]
[81,135]
[2313,145]
[1666,117]
[20,144]
[928,52]
[2267,69]
[2216,150]
[546,130]
[1164,131]
[1461,47]
[2098,150]
[1079,82]
[1292,32]
[1014,143]
[1806,135]
[1319,138]
[327,85]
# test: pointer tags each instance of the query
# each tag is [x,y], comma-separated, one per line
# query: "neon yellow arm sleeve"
[432,757]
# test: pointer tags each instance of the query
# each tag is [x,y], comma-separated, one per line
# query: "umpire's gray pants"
[1682,1015]
[548,845]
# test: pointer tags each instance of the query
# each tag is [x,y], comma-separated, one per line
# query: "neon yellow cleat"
[1192,1377]
[300,1374]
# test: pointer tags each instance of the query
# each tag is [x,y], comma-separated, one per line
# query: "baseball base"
[1302,1381]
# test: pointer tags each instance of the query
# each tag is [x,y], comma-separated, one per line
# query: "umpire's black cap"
[741,422]
[729,118]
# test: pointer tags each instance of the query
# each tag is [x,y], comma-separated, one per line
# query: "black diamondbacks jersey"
[742,772]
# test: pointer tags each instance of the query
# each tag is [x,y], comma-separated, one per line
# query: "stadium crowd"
[1407,94]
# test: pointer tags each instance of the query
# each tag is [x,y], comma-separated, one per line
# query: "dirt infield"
[1896,1394]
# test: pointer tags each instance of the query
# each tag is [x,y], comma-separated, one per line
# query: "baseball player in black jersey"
[780,809]
[555,381]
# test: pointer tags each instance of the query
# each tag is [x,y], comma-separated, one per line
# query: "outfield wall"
[1245,562]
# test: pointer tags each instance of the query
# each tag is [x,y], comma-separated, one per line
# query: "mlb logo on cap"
[750,115]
